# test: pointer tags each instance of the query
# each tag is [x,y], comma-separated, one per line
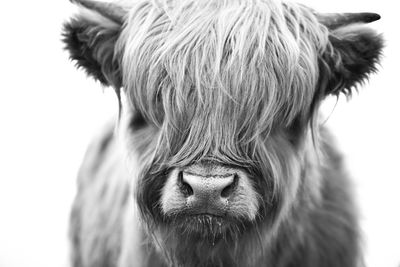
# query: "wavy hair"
[215,74]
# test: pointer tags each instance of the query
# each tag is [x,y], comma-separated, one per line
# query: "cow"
[218,156]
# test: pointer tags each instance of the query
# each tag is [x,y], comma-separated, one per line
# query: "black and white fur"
[237,83]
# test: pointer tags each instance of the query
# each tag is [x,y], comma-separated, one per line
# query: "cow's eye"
[138,122]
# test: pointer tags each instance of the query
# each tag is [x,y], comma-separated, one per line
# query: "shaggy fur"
[237,83]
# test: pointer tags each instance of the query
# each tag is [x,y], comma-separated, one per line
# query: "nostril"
[228,190]
[186,189]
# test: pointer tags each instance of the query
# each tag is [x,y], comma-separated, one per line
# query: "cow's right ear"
[90,38]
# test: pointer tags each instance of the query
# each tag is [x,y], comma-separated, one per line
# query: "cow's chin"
[203,239]
[206,229]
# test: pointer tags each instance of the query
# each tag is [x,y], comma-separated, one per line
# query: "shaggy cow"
[218,158]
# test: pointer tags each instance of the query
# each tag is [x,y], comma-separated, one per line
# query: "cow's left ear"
[353,52]
[90,38]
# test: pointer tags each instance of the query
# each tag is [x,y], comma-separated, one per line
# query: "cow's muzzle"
[209,193]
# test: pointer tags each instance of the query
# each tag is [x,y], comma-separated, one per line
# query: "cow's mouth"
[206,226]
[206,223]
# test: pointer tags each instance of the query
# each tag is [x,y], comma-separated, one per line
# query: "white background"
[49,111]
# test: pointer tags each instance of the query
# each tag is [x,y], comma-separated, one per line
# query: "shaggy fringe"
[190,67]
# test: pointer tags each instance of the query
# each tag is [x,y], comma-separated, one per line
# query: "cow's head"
[219,103]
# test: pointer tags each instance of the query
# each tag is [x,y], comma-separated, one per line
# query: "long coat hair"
[238,83]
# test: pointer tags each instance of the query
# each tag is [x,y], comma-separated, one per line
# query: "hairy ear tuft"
[90,40]
[354,53]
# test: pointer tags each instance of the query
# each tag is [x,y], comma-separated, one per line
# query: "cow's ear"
[90,38]
[353,52]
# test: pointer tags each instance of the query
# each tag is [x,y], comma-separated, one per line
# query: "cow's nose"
[211,190]
[207,188]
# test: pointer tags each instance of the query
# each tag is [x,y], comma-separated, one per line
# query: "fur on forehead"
[255,60]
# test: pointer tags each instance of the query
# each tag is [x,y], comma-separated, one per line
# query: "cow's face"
[218,102]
